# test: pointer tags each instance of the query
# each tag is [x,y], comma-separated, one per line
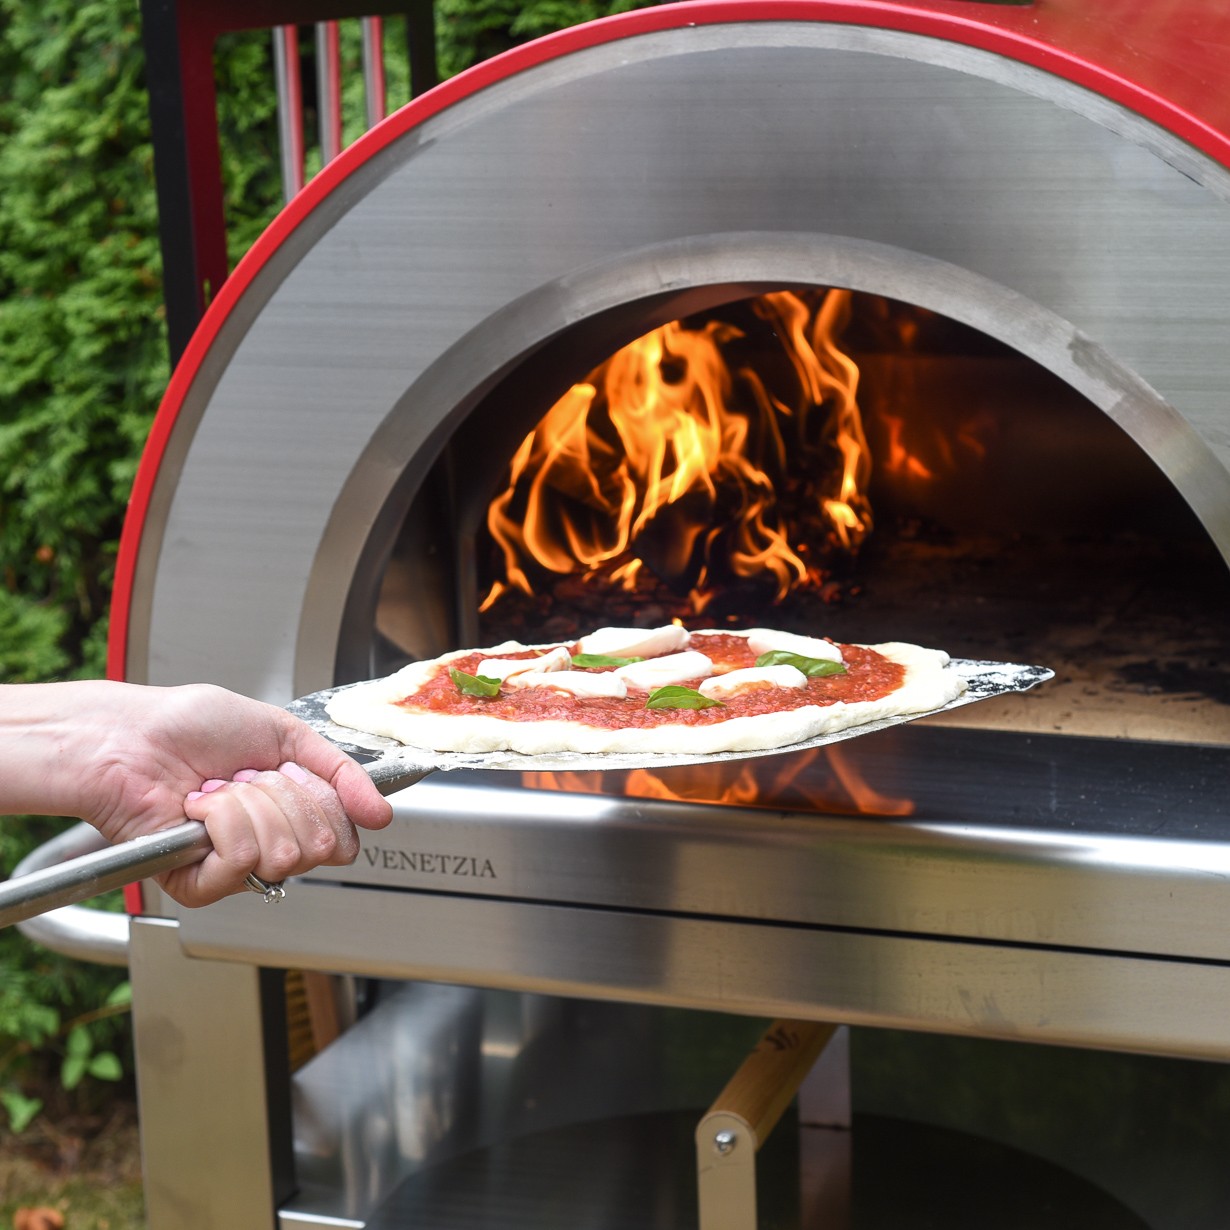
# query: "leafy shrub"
[472,30]
[82,355]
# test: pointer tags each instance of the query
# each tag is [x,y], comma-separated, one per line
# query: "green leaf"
[106,1066]
[587,661]
[21,1110]
[675,696]
[474,685]
[813,668]
[78,1044]
[72,1070]
[121,994]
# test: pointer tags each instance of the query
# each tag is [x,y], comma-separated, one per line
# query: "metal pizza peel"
[392,766]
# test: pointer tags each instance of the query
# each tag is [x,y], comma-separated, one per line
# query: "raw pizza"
[661,690]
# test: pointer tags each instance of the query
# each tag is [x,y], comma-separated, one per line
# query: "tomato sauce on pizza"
[869,676]
[648,691]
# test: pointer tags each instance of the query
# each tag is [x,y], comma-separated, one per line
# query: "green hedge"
[81,335]
[473,30]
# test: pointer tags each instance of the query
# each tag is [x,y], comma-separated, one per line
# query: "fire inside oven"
[834,463]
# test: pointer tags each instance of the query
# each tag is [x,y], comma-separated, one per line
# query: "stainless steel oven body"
[1046,888]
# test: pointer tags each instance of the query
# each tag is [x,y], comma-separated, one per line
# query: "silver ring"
[270,892]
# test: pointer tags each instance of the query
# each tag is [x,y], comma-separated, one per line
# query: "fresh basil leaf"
[586,661]
[474,685]
[675,696]
[813,668]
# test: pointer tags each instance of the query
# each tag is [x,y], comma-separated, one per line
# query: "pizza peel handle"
[84,877]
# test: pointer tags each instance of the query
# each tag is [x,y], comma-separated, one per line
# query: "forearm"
[52,736]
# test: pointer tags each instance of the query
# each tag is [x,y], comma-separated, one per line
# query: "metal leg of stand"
[743,1115]
[212,1106]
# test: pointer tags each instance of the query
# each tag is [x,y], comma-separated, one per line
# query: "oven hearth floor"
[1134,626]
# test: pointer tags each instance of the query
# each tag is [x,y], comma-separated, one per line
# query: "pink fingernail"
[244,775]
[293,771]
[194,794]
[213,784]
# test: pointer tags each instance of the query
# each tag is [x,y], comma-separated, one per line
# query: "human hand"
[276,798]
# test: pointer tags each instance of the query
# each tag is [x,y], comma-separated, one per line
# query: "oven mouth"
[1009,518]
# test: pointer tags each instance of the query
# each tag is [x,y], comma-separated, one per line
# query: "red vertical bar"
[196,46]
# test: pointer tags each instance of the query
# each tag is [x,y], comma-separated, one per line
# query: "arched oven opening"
[831,462]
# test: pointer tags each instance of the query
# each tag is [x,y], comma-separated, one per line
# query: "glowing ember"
[665,461]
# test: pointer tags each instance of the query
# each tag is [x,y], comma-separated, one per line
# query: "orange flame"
[899,459]
[824,780]
[933,452]
[663,460]
[867,800]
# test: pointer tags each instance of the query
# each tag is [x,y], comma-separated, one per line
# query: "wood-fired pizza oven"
[1027,210]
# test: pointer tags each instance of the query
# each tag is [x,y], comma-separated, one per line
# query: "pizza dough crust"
[373,708]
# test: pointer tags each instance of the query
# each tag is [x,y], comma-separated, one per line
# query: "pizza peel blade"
[393,766]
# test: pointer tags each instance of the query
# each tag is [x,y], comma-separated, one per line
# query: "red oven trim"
[1161,61]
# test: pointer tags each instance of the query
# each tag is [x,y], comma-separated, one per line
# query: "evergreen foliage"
[82,356]
[472,30]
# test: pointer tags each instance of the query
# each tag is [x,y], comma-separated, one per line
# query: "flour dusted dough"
[380,708]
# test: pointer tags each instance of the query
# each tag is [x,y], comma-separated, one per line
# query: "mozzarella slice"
[575,683]
[634,642]
[557,659]
[721,687]
[762,640]
[662,672]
